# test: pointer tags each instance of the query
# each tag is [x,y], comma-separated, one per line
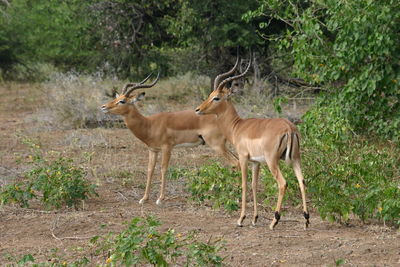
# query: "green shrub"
[348,47]
[54,182]
[217,184]
[347,174]
[141,243]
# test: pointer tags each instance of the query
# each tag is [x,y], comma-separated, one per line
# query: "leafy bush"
[141,243]
[213,182]
[55,183]
[348,175]
[350,47]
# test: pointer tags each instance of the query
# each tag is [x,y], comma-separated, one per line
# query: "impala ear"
[116,95]
[227,92]
[230,92]
[138,98]
[236,87]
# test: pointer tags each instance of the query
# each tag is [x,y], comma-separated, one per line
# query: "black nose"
[103,106]
[197,109]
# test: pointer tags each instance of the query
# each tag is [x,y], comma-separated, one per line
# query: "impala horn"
[224,82]
[130,87]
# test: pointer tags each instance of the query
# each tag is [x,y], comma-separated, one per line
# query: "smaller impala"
[257,140]
[166,130]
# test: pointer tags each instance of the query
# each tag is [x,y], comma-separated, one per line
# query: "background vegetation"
[345,52]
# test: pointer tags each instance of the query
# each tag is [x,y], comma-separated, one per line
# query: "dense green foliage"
[350,47]
[53,32]
[347,175]
[127,38]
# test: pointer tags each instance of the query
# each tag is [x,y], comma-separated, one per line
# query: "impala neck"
[228,119]
[137,123]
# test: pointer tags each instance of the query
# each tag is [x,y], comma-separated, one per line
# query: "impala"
[166,130]
[257,140]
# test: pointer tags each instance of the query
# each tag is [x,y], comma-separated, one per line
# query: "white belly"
[258,159]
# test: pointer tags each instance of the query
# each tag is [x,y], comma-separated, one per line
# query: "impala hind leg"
[150,170]
[282,185]
[243,167]
[166,155]
[300,178]
[254,181]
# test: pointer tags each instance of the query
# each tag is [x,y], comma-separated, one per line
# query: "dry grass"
[74,100]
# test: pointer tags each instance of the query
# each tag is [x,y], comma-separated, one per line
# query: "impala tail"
[289,147]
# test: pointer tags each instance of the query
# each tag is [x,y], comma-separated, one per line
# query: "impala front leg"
[150,170]
[166,155]
[243,167]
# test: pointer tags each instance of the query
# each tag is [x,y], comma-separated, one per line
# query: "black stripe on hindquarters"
[291,147]
[282,157]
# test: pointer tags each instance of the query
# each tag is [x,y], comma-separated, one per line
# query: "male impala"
[257,140]
[166,130]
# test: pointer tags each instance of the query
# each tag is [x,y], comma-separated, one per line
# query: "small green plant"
[18,192]
[57,261]
[217,184]
[204,254]
[54,182]
[141,243]
[174,173]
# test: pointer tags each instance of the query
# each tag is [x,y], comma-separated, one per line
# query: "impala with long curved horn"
[163,131]
[257,140]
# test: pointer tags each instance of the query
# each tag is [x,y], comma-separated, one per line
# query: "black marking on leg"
[277,216]
[304,182]
[255,219]
[306,215]
[202,139]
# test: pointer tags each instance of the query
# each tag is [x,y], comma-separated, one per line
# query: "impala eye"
[121,102]
[216,99]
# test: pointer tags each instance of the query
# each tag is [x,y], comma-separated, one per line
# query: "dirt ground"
[66,232]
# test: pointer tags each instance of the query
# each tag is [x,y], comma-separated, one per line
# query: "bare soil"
[111,152]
